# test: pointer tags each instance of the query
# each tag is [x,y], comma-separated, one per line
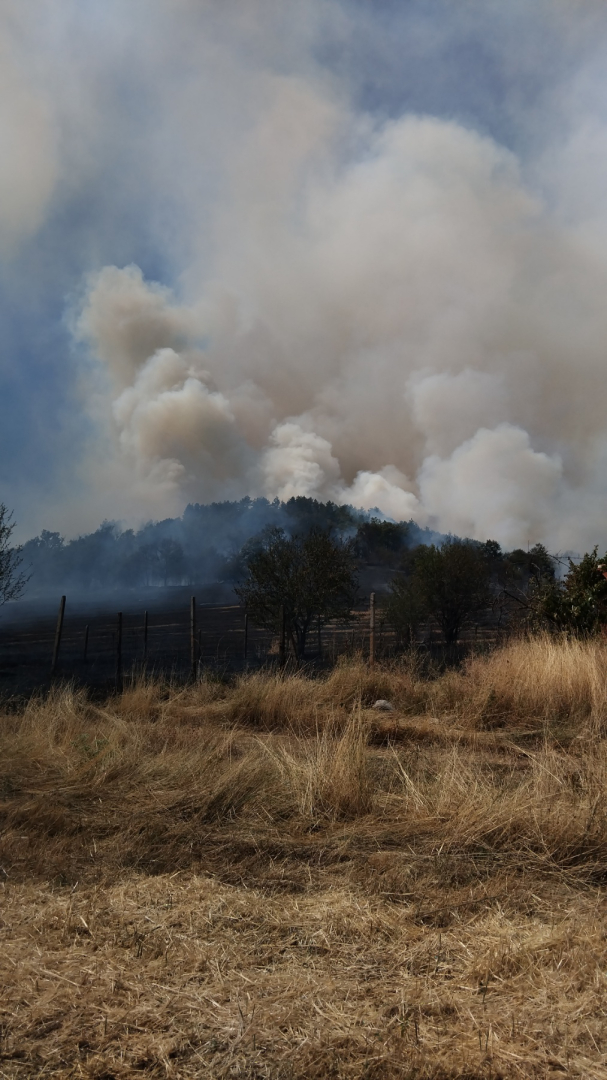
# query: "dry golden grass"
[530,681]
[270,879]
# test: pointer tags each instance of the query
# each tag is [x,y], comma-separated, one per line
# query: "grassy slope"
[272,880]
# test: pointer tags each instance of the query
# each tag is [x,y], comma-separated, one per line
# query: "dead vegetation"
[270,879]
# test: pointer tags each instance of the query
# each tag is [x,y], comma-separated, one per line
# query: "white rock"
[383,705]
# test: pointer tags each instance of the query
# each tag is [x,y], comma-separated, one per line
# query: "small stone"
[383,705]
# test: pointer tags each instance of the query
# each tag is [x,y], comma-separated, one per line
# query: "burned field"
[88,648]
[155,637]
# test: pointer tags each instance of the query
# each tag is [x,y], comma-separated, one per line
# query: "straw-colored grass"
[270,879]
[530,681]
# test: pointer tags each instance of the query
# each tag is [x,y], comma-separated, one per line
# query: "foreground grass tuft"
[271,879]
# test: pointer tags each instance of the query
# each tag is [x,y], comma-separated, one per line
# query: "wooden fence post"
[58,633]
[245,649]
[372,629]
[119,653]
[86,643]
[145,636]
[193,636]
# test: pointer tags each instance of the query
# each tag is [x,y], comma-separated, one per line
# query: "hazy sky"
[351,249]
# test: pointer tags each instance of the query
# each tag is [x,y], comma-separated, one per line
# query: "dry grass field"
[270,879]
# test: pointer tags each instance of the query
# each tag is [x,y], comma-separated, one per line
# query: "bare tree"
[12,580]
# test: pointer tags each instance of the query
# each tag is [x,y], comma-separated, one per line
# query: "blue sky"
[150,134]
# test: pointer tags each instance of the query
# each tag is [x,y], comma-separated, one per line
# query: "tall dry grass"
[533,680]
[329,774]
[530,681]
[343,848]
[506,755]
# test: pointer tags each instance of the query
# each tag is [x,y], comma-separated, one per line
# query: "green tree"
[312,578]
[448,583]
[578,602]
[381,542]
[527,570]
[12,580]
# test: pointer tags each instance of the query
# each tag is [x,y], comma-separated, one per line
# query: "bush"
[576,604]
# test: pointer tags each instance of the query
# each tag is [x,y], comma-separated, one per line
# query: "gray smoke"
[395,311]
[411,329]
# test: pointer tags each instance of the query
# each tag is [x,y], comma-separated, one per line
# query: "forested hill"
[202,546]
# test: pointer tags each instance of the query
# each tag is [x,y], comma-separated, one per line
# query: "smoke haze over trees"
[204,545]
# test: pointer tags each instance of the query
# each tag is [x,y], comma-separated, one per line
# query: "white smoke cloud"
[299,462]
[402,313]
[448,409]
[387,491]
[401,325]
[175,431]
[174,426]
[493,485]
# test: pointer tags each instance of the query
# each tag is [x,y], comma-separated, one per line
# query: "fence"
[100,648]
[180,642]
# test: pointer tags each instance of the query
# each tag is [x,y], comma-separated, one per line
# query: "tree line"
[300,570]
[303,582]
[306,581]
[204,545]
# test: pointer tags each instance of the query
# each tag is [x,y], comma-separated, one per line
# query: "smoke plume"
[398,305]
[409,329]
